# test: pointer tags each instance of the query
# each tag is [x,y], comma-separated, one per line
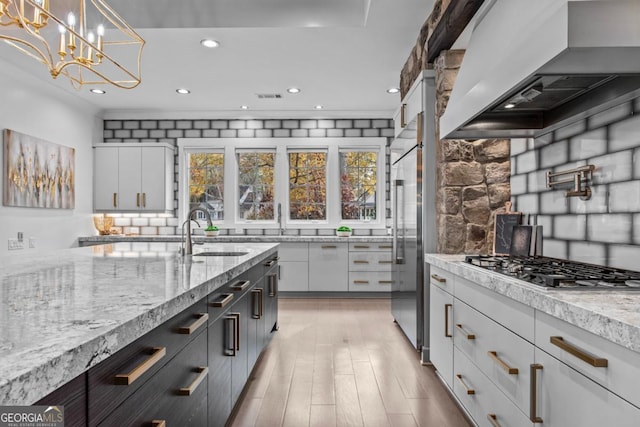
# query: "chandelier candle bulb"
[71,20]
[62,49]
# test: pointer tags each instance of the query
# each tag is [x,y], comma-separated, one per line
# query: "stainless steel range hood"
[533,66]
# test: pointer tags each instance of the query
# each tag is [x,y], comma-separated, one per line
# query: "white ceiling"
[343,54]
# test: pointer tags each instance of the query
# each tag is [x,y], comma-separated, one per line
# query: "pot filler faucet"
[188,243]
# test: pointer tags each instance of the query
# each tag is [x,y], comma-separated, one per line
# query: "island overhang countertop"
[64,311]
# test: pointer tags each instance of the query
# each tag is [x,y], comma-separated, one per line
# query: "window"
[256,181]
[358,185]
[308,185]
[206,183]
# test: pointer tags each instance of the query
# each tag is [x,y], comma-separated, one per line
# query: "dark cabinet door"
[256,335]
[271,301]
[221,348]
[73,396]
[240,361]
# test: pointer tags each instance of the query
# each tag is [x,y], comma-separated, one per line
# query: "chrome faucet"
[188,243]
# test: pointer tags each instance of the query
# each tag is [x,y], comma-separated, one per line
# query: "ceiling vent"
[269,95]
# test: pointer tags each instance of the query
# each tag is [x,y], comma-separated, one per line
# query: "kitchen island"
[63,312]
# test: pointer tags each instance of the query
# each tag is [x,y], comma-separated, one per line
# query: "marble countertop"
[613,315]
[63,312]
[247,238]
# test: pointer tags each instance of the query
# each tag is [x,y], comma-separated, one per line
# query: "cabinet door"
[240,361]
[294,276]
[272,286]
[153,186]
[105,178]
[220,340]
[256,321]
[441,333]
[567,398]
[129,178]
[328,267]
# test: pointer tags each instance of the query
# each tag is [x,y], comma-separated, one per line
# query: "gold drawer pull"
[188,391]
[360,261]
[158,423]
[508,369]
[361,282]
[361,246]
[385,282]
[533,409]
[225,299]
[144,200]
[465,333]
[493,419]
[137,199]
[138,371]
[438,278]
[446,320]
[188,330]
[240,285]
[270,263]
[469,390]
[583,355]
[403,123]
[329,247]
[384,262]
[115,202]
[385,247]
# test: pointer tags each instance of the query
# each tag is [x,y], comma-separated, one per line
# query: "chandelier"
[85,41]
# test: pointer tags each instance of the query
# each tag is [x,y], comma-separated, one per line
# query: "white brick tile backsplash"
[546,222]
[326,124]
[362,124]
[554,154]
[140,222]
[290,124]
[613,167]
[609,228]
[211,133]
[553,202]
[335,133]
[309,124]
[175,133]
[149,231]
[326,232]
[273,124]
[570,227]
[237,124]
[593,253]
[299,133]
[140,133]
[625,256]
[527,203]
[131,124]
[527,162]
[571,130]
[609,116]
[184,124]
[387,133]
[192,133]
[537,181]
[308,232]
[122,222]
[148,215]
[254,232]
[554,248]
[281,133]
[228,133]
[636,163]
[380,123]
[598,203]
[370,132]
[219,124]
[271,232]
[317,133]
[624,197]
[625,134]
[167,231]
[201,124]
[158,222]
[353,133]
[166,124]
[158,133]
[344,124]
[518,146]
[255,124]
[636,229]
[264,133]
[113,124]
[246,133]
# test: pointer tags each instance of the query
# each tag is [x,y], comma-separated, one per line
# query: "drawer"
[622,373]
[513,315]
[152,351]
[293,251]
[484,402]
[73,396]
[500,354]
[440,278]
[369,281]
[176,394]
[370,247]
[270,265]
[370,261]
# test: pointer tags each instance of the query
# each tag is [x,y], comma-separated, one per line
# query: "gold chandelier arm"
[124,84]
[16,43]
[118,22]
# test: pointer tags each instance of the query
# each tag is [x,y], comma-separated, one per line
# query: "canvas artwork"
[37,173]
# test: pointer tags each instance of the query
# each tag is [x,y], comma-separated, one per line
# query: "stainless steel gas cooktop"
[559,273]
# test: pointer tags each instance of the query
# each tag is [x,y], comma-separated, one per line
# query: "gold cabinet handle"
[533,410]
[360,261]
[466,387]
[361,246]
[403,123]
[493,419]
[115,200]
[188,391]
[438,278]
[273,285]
[223,301]
[465,333]
[144,200]
[138,199]
[270,263]
[158,423]
[240,285]
[384,262]
[188,330]
[257,314]
[138,371]
[361,282]
[385,282]
[232,350]
[581,354]
[328,246]
[508,369]
[446,320]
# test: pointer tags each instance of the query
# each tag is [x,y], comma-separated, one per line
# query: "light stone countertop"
[613,315]
[90,240]
[63,312]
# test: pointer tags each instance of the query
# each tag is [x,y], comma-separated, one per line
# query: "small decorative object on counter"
[212,231]
[343,231]
[103,224]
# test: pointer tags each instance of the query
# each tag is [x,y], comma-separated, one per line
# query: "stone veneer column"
[472,177]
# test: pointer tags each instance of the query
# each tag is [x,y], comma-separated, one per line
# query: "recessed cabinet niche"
[133,178]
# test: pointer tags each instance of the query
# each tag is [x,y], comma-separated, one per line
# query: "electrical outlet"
[15,244]
[32,242]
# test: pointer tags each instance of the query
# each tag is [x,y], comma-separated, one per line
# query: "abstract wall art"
[37,173]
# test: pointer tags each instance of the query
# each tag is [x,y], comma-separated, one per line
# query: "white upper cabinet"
[410,107]
[133,178]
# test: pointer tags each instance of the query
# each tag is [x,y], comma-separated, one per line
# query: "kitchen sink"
[220,253]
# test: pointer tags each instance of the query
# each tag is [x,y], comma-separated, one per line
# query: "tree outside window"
[358,185]
[256,185]
[206,183]
[308,185]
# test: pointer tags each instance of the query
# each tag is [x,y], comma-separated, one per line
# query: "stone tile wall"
[606,228]
[168,131]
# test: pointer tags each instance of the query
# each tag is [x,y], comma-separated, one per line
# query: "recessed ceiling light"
[293,90]
[97,91]
[183,91]
[393,90]
[244,107]
[510,105]
[210,43]
[318,107]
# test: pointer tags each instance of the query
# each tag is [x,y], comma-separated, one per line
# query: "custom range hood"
[533,66]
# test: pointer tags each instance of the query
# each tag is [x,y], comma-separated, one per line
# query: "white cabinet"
[410,107]
[293,267]
[328,267]
[440,333]
[133,178]
[370,267]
